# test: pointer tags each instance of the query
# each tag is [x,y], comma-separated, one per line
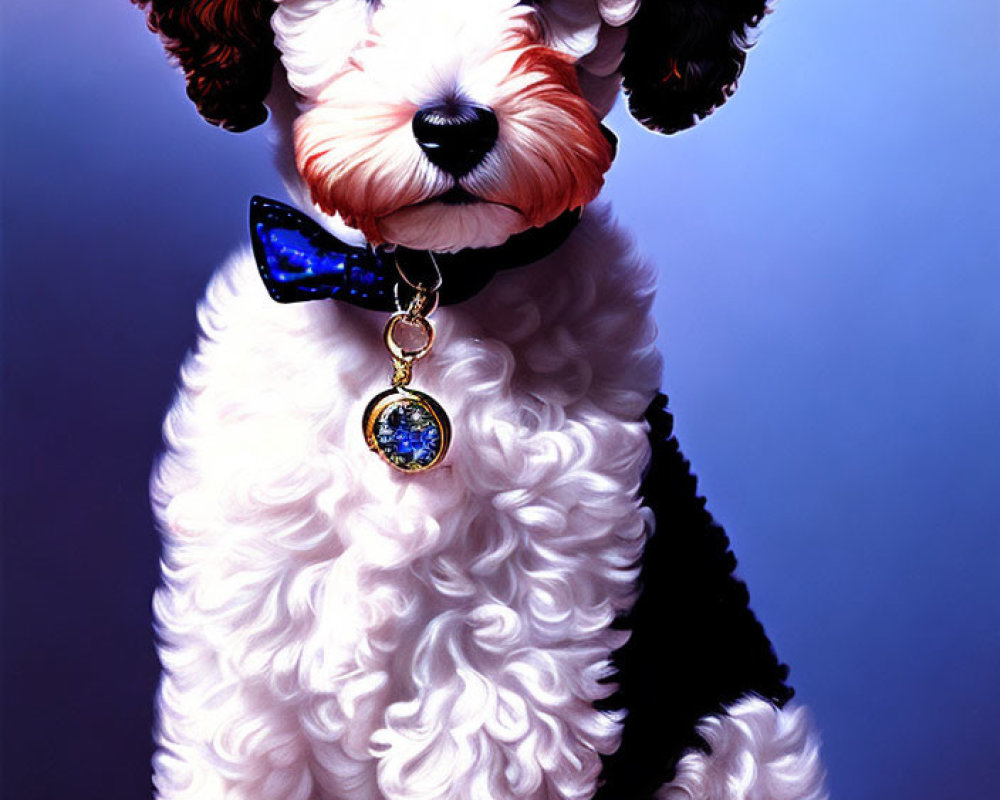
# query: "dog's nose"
[455,137]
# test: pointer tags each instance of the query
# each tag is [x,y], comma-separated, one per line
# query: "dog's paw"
[756,752]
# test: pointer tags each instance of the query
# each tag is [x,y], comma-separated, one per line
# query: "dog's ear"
[683,58]
[226,49]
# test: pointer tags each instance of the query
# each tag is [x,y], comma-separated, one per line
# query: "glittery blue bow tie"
[300,260]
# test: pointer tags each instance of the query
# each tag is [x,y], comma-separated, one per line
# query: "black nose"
[455,137]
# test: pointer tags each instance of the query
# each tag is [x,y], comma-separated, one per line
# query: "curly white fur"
[757,752]
[316,38]
[331,628]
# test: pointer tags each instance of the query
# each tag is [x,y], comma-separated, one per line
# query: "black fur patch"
[696,646]
[683,58]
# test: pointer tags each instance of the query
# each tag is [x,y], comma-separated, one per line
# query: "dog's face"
[445,124]
[440,124]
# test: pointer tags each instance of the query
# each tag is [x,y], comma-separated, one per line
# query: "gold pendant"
[407,428]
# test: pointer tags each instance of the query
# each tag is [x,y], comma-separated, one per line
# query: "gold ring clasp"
[401,352]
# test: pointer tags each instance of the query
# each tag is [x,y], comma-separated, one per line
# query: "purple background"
[829,312]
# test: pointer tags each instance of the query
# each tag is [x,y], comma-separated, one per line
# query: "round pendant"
[407,428]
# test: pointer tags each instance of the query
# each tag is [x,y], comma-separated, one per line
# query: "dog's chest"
[384,605]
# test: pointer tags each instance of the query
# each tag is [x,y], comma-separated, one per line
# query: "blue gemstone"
[408,434]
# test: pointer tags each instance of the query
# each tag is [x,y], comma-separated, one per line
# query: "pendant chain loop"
[406,427]
[415,316]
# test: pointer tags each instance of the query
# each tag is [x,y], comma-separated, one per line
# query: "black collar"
[299,259]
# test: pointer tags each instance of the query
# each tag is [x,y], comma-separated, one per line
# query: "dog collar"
[299,260]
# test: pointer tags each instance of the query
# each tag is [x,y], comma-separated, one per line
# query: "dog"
[549,612]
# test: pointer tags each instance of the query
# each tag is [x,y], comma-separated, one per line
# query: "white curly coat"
[334,630]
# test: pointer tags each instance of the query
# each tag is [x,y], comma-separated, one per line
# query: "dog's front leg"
[755,751]
[216,742]
[220,734]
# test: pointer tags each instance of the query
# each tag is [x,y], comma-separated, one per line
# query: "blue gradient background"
[829,312]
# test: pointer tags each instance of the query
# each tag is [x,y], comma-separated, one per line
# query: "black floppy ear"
[683,58]
[226,49]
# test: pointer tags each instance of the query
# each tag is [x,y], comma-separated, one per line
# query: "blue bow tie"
[299,260]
